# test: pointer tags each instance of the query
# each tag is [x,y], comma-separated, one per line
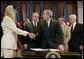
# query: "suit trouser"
[18,53]
[22,49]
[7,53]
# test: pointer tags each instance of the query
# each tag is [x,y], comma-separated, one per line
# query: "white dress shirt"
[34,23]
[74,24]
[48,22]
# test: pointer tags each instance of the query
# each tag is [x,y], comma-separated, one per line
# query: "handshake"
[31,35]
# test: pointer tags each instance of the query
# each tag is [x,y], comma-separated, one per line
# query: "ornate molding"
[80,4]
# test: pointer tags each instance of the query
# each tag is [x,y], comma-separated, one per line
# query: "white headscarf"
[10,12]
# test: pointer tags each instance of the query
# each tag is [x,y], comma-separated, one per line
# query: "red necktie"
[71,28]
[35,26]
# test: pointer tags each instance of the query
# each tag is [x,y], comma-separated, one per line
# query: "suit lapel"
[32,26]
[36,26]
[51,24]
[75,28]
[45,27]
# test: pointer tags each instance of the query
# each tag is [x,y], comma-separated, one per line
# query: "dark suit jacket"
[76,38]
[55,36]
[27,40]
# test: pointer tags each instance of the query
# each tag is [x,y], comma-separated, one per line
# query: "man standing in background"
[32,27]
[76,40]
[66,31]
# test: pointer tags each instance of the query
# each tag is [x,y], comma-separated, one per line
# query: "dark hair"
[63,19]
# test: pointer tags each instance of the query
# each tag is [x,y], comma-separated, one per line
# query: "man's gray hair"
[73,16]
[35,14]
[49,12]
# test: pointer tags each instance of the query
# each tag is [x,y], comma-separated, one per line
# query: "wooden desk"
[71,55]
[33,54]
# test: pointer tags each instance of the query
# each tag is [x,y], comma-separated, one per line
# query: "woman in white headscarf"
[10,31]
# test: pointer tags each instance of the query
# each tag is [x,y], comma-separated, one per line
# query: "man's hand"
[61,48]
[81,47]
[31,35]
[25,46]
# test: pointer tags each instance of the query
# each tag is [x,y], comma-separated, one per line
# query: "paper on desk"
[39,49]
[54,50]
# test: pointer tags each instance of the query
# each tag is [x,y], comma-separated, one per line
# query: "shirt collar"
[34,23]
[74,23]
[48,22]
[63,24]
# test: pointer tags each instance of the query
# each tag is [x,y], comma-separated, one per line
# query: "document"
[54,50]
[39,49]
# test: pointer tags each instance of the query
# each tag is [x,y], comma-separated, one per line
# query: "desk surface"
[43,54]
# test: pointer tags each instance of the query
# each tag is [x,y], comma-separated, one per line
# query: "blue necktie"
[47,27]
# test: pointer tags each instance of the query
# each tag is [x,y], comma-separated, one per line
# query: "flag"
[54,11]
[65,14]
[18,16]
[19,23]
[41,11]
[30,11]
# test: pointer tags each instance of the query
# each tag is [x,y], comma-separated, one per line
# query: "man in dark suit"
[32,27]
[76,40]
[50,32]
